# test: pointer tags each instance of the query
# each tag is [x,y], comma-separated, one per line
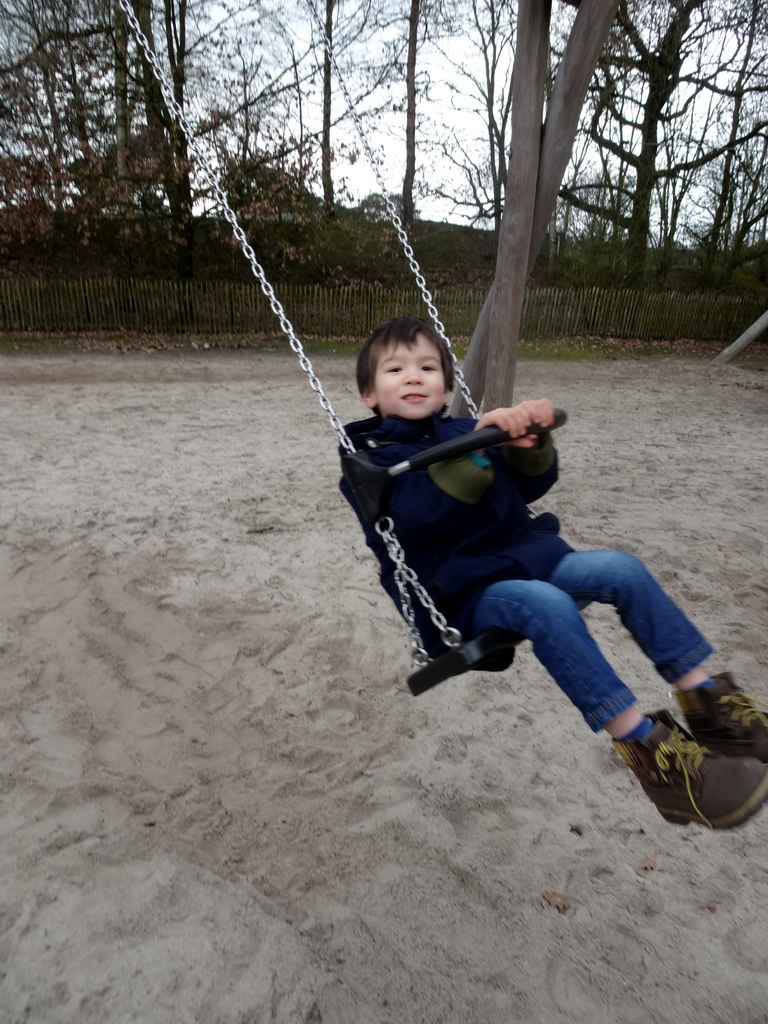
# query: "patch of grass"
[577,349]
[557,350]
[22,344]
[593,349]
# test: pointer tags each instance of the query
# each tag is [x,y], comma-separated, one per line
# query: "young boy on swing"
[467,532]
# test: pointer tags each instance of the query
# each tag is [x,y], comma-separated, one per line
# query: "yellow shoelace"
[745,709]
[684,755]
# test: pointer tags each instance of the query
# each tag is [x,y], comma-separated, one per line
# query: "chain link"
[404,575]
[395,217]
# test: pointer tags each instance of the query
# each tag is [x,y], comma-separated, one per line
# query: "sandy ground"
[220,804]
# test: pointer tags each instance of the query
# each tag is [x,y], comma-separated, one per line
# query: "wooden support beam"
[758,328]
[529,79]
[523,230]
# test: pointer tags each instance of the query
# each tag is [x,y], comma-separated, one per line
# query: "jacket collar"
[374,431]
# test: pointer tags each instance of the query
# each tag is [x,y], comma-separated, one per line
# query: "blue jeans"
[548,615]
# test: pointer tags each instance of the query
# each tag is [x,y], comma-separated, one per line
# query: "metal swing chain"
[403,573]
[395,218]
[202,163]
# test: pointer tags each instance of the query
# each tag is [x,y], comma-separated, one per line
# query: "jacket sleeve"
[462,478]
[534,470]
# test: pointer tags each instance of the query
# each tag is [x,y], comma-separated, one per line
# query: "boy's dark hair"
[400,331]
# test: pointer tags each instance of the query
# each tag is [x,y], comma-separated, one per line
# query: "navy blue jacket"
[456,549]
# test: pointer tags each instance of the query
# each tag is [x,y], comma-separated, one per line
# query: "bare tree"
[258,129]
[734,189]
[367,56]
[481,92]
[54,98]
[663,87]
[88,132]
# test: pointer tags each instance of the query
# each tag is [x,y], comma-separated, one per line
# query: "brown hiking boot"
[724,718]
[687,782]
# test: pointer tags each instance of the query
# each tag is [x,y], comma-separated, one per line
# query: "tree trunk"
[121,97]
[167,136]
[410,116]
[663,77]
[153,99]
[180,192]
[329,205]
[640,217]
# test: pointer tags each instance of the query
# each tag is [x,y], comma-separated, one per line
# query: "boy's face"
[409,382]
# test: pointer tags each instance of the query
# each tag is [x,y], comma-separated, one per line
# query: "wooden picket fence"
[220,307]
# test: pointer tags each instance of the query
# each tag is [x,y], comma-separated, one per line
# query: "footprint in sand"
[573,993]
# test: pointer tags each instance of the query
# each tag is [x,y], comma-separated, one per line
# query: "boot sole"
[737,817]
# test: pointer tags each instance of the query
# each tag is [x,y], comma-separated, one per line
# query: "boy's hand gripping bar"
[370,482]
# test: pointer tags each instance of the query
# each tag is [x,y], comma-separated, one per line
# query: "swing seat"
[490,651]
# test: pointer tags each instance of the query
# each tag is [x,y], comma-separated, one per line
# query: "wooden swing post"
[752,333]
[537,164]
[528,84]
